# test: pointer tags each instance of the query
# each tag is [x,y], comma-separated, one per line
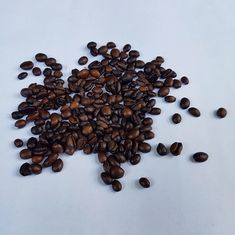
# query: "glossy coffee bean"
[176,83]
[41,57]
[200,157]
[22,75]
[110,45]
[144,182]
[163,91]
[57,165]
[170,99]
[184,103]
[25,169]
[91,45]
[36,71]
[107,179]
[144,147]
[135,159]
[16,115]
[20,123]
[116,172]
[50,61]
[18,143]
[221,112]
[176,148]
[36,169]
[25,154]
[82,60]
[194,112]
[116,186]
[176,118]
[185,80]
[161,149]
[27,65]
[155,111]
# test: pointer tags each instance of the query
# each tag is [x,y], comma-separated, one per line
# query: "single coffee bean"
[22,75]
[83,60]
[127,48]
[161,149]
[91,45]
[50,61]
[50,159]
[25,169]
[111,45]
[20,123]
[221,112]
[159,61]
[37,158]
[106,110]
[27,65]
[135,159]
[176,83]
[25,154]
[144,147]
[116,172]
[144,182]
[176,118]
[41,57]
[127,112]
[200,157]
[107,179]
[176,148]
[36,169]
[155,111]
[87,129]
[163,91]
[18,143]
[26,92]
[47,72]
[103,50]
[115,53]
[116,185]
[102,157]
[36,71]
[16,115]
[185,80]
[194,112]
[170,99]
[56,66]
[57,165]
[184,103]
[134,53]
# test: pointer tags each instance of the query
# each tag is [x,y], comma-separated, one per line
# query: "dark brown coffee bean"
[200,157]
[20,123]
[127,112]
[107,179]
[103,50]
[144,182]
[144,147]
[50,61]
[56,66]
[176,83]
[36,169]
[91,45]
[176,118]
[37,158]
[47,72]
[134,53]
[111,45]
[25,169]
[22,75]
[36,71]
[115,53]
[194,112]
[221,112]
[25,154]
[163,91]
[176,148]
[87,129]
[83,60]
[41,57]
[50,159]
[102,157]
[18,143]
[57,148]
[184,103]
[155,111]
[135,159]
[27,65]
[16,115]
[127,48]
[106,110]
[161,149]
[26,92]
[185,80]
[159,61]
[116,185]
[116,172]
[57,165]
[132,134]
[57,74]
[170,99]
[70,145]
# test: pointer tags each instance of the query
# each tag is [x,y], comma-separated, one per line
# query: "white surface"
[197,40]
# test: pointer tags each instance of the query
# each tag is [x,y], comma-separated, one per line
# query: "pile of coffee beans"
[103,108]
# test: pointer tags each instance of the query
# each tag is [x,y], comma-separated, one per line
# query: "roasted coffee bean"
[20,123]
[135,159]
[161,149]
[106,110]
[50,159]
[155,111]
[47,72]
[144,182]
[57,165]
[144,147]
[200,157]
[110,45]
[36,169]
[26,92]
[22,75]
[16,115]
[116,185]
[163,91]
[37,158]
[91,45]
[102,157]
[221,112]
[25,169]
[184,103]
[127,112]
[36,130]
[107,179]
[185,80]
[41,57]
[194,112]
[176,118]
[134,53]
[18,143]
[159,61]
[56,66]
[176,148]
[103,50]
[87,129]
[27,65]
[50,61]
[116,172]
[170,99]
[83,60]
[36,71]
[176,83]
[32,142]
[127,48]
[25,154]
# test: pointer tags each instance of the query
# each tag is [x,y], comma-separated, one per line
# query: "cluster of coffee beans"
[102,109]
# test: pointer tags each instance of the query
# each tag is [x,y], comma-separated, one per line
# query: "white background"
[197,40]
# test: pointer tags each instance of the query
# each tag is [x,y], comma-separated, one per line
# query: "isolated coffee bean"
[16,115]
[161,149]
[83,60]
[25,154]
[194,112]
[20,123]
[27,65]
[185,80]
[127,48]
[176,148]
[57,165]
[25,169]
[176,83]
[170,99]
[184,103]
[155,111]
[144,182]
[36,169]
[91,45]
[176,118]
[116,172]
[116,185]
[221,112]
[135,159]
[110,45]
[144,147]
[41,57]
[200,157]
[18,143]
[36,71]
[22,75]
[107,179]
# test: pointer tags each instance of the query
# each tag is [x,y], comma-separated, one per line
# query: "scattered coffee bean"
[20,123]
[27,65]
[176,118]
[22,75]
[155,111]
[83,60]
[176,148]
[36,71]
[221,112]
[116,172]
[170,99]
[144,182]
[185,80]
[107,179]
[200,157]
[194,112]
[25,169]
[135,159]
[184,103]
[161,149]
[116,185]
[18,143]
[41,57]
[91,45]
[36,169]
[50,61]
[25,154]
[57,165]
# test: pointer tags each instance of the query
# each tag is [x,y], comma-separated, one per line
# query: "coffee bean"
[18,143]
[50,61]
[155,111]
[26,92]
[25,154]
[16,115]
[25,169]
[194,112]
[22,75]
[176,118]
[159,61]
[27,65]
[200,157]
[102,157]
[91,45]
[185,80]
[176,148]
[37,158]
[221,112]
[184,103]
[20,123]
[36,71]
[144,147]
[144,182]
[87,129]
[41,57]
[127,112]
[47,72]
[56,66]
[116,172]
[111,45]
[103,50]
[106,110]
[163,91]
[127,48]
[134,53]
[176,83]
[57,165]
[83,60]
[36,169]
[161,149]
[116,185]
[50,159]
[107,179]
[135,159]
[170,99]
